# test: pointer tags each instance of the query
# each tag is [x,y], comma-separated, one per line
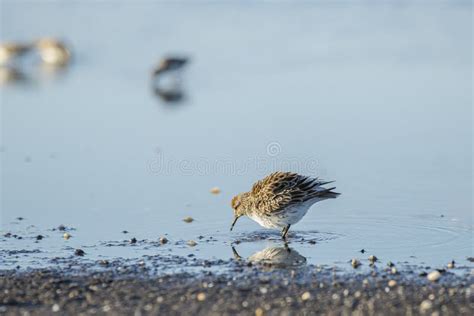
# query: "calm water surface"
[378,98]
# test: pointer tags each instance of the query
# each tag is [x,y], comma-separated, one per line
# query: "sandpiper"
[170,64]
[10,51]
[53,52]
[280,200]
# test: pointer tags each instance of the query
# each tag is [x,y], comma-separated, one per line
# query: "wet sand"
[247,290]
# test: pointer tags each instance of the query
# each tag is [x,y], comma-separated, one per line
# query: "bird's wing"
[282,189]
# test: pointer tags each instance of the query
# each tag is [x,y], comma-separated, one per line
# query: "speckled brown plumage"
[281,199]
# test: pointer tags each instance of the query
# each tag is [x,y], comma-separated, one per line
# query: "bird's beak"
[233,223]
[236,254]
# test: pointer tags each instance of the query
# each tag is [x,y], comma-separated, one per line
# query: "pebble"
[188,219]
[124,231]
[390,264]
[392,283]
[79,252]
[259,312]
[133,240]
[434,276]
[451,264]
[39,237]
[163,240]
[362,250]
[201,297]
[306,296]
[373,259]
[425,306]
[191,243]
[355,263]
[61,227]
[66,236]
[215,190]
[55,308]
[20,218]
[394,270]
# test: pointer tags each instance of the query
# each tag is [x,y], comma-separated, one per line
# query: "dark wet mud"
[248,289]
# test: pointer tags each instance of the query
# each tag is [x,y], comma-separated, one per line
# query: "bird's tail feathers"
[327,193]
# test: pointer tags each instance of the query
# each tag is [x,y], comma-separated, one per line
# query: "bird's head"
[238,204]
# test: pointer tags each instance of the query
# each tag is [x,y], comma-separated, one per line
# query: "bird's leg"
[284,232]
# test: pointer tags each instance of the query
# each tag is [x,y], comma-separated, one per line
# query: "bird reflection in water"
[275,257]
[10,75]
[166,79]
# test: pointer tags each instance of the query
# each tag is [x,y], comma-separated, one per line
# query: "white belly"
[290,216]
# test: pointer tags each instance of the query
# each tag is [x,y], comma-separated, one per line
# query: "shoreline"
[247,290]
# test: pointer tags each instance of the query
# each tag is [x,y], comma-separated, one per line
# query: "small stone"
[259,312]
[133,240]
[163,240]
[55,308]
[434,276]
[201,297]
[124,231]
[188,219]
[373,258]
[191,243]
[362,250]
[451,265]
[306,296]
[425,306]
[355,263]
[79,252]
[215,190]
[39,237]
[390,264]
[20,218]
[61,227]
[392,283]
[66,236]
[263,290]
[104,262]
[394,270]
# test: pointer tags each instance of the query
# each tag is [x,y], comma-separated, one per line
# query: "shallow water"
[378,98]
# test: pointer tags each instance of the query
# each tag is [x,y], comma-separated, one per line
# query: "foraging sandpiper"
[280,200]
[10,51]
[53,52]
[170,64]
